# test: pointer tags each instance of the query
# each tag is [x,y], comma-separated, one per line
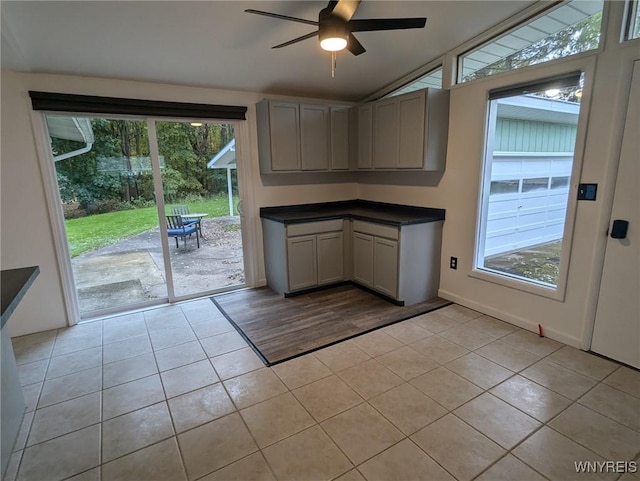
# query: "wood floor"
[282,328]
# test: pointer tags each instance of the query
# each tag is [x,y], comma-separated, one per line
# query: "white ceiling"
[215,44]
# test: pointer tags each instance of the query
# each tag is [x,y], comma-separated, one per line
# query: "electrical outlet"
[453,263]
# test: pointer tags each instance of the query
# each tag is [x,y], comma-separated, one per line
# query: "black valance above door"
[57,102]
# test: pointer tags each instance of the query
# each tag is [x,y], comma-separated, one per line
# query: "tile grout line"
[573,402]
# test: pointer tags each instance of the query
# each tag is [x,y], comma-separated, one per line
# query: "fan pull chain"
[333,64]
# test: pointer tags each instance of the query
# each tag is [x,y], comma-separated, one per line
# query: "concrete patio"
[132,270]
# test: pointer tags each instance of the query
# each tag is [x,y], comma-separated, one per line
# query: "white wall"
[27,235]
[457,192]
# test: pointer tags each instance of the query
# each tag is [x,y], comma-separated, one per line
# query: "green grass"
[95,231]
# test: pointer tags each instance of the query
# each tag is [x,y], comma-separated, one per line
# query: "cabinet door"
[363,259]
[302,262]
[339,138]
[314,137]
[285,134]
[330,258]
[411,115]
[385,266]
[385,134]
[365,140]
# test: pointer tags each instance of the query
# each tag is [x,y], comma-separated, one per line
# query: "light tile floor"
[174,393]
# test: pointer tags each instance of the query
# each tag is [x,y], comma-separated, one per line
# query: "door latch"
[619,229]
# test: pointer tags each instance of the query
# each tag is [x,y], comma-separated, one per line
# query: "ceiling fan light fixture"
[333,44]
[333,34]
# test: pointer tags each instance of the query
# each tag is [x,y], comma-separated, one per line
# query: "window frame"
[537,74]
[511,27]
[631,21]
[396,91]
[412,76]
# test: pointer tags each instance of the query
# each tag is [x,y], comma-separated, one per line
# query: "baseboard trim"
[527,324]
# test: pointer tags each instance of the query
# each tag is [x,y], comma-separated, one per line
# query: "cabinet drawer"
[376,229]
[314,227]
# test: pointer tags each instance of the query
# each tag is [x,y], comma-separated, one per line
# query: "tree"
[107,172]
[580,37]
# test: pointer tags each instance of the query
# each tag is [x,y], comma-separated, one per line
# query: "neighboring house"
[226,159]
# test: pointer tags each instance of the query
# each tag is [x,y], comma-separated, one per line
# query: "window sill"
[556,293]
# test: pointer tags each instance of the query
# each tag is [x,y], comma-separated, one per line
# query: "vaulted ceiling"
[216,44]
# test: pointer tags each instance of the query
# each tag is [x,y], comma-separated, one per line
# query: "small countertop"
[390,214]
[14,284]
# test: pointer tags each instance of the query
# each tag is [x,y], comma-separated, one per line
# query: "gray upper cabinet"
[406,131]
[411,130]
[365,136]
[279,138]
[295,137]
[339,138]
[314,137]
[385,134]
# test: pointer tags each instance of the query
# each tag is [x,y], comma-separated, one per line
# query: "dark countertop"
[14,283]
[390,214]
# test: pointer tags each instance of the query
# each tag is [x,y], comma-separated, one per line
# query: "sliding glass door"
[200,189]
[123,183]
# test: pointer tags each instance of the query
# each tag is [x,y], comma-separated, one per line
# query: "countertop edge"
[27,275]
[279,213]
[376,220]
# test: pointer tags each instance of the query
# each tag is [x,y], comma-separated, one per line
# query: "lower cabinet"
[375,263]
[385,266]
[315,260]
[402,263]
[302,264]
[363,259]
[375,258]
[303,256]
[330,255]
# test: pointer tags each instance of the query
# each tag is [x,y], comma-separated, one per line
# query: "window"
[531,185]
[528,163]
[511,186]
[431,79]
[570,28]
[633,20]
[559,182]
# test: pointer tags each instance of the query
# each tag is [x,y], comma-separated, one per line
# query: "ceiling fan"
[335,26]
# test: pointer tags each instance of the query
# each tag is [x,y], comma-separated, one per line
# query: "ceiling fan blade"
[344,8]
[296,40]
[281,17]
[354,46]
[368,25]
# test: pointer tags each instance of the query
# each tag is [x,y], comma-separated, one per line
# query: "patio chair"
[177,228]
[183,210]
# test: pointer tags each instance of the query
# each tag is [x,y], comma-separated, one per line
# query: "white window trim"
[631,7]
[56,217]
[538,72]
